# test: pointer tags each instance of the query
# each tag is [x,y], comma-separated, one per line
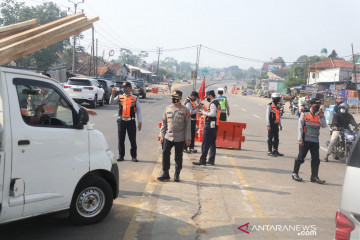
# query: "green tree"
[127,57]
[333,54]
[14,12]
[280,60]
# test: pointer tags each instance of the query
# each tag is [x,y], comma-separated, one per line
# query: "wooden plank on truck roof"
[19,25]
[44,39]
[9,39]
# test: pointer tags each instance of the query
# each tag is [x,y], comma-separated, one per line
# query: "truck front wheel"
[92,201]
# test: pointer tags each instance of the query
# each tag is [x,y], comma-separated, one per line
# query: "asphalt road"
[211,202]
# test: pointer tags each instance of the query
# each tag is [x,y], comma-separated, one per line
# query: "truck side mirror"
[83,117]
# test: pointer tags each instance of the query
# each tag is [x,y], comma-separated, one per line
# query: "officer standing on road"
[175,131]
[273,124]
[210,130]
[128,106]
[190,105]
[224,105]
[309,131]
[342,120]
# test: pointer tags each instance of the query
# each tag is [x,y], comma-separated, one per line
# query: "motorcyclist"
[342,120]
[337,103]
[225,89]
[304,104]
[294,103]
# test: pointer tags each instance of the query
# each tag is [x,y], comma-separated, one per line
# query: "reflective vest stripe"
[277,113]
[127,108]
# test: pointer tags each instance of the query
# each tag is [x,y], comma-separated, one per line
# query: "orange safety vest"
[311,128]
[276,112]
[127,106]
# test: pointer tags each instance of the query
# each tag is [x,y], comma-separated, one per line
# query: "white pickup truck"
[51,158]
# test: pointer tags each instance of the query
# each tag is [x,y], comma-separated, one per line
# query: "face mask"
[208,99]
[175,100]
[126,91]
[342,110]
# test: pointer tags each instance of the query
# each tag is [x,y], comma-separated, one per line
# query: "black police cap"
[195,94]
[126,84]
[177,93]
[211,92]
[315,101]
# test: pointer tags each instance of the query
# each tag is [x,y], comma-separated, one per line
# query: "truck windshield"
[1,117]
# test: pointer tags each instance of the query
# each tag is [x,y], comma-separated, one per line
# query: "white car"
[51,158]
[86,90]
[348,216]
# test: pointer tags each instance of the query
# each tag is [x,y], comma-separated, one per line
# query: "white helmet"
[220,89]
[275,95]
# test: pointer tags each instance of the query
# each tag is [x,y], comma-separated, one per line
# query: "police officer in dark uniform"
[190,104]
[309,131]
[175,132]
[210,130]
[273,125]
[128,106]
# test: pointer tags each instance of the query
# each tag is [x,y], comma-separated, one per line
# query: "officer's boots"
[177,176]
[314,173]
[165,176]
[295,174]
[270,152]
[276,152]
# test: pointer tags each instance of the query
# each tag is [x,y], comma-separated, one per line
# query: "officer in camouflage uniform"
[175,131]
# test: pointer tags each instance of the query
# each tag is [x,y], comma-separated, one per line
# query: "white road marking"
[244,109]
[256,116]
[323,149]
[115,115]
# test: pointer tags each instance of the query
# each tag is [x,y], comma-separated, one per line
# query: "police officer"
[175,131]
[224,105]
[273,124]
[128,106]
[309,131]
[191,106]
[210,130]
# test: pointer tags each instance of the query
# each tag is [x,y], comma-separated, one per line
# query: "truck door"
[1,148]
[49,154]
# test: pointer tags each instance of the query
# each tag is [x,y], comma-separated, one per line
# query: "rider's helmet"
[275,95]
[307,97]
[338,101]
[344,106]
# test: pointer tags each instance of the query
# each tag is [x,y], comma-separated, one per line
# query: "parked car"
[119,85]
[107,86]
[51,158]
[85,90]
[141,88]
[348,216]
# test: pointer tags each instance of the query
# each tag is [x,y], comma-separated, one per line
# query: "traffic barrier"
[154,90]
[230,135]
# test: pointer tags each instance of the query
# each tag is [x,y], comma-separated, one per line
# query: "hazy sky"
[257,29]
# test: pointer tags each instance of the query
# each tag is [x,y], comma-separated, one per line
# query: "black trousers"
[193,131]
[130,128]
[168,145]
[314,151]
[273,133]
[223,116]
[209,143]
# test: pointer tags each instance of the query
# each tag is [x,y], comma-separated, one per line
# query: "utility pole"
[197,66]
[157,68]
[73,58]
[93,50]
[96,59]
[356,86]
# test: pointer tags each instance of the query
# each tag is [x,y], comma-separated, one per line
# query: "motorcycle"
[244,93]
[281,109]
[342,148]
[294,107]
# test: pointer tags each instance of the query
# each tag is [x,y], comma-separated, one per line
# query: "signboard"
[193,74]
[273,67]
[353,101]
[273,86]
